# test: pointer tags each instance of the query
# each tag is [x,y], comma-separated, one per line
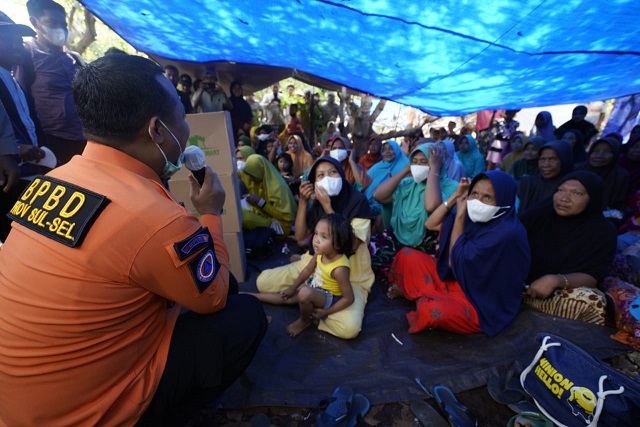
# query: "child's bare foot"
[394,292]
[294,258]
[298,326]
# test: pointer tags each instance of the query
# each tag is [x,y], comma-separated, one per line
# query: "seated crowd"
[435,213]
[435,205]
[467,228]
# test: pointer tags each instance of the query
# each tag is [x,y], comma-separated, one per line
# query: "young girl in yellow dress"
[323,286]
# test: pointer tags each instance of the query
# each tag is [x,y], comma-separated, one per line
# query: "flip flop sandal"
[427,414]
[530,419]
[506,388]
[457,414]
[359,408]
[338,406]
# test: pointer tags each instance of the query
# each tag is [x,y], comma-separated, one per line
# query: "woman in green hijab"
[415,192]
[269,202]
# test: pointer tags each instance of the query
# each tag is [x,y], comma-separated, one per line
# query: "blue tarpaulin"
[445,57]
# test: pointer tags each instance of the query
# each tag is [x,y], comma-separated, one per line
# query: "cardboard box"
[237,257]
[232,212]
[213,133]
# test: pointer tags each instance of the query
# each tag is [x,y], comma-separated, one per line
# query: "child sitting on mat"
[323,286]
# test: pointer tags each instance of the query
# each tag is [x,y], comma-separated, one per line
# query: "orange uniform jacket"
[85,331]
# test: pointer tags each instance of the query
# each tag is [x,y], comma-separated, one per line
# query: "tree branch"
[404,132]
[89,36]
[378,110]
[88,32]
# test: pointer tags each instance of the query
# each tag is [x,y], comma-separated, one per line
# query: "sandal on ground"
[337,409]
[457,414]
[360,405]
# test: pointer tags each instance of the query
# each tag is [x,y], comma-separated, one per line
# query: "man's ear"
[154,130]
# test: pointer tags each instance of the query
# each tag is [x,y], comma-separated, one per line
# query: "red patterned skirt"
[440,305]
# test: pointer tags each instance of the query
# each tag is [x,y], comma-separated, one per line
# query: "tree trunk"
[86,29]
[362,127]
[404,132]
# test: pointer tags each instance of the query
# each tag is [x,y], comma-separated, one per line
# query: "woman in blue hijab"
[470,156]
[406,192]
[452,165]
[483,259]
[393,161]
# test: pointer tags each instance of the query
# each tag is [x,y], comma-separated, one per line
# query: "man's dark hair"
[185,78]
[341,233]
[580,109]
[172,68]
[234,84]
[116,95]
[265,128]
[115,51]
[36,8]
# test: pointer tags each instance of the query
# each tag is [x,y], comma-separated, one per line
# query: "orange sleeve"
[158,266]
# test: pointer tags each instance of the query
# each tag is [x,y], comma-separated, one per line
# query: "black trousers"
[207,354]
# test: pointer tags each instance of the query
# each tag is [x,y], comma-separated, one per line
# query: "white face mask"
[331,185]
[339,154]
[263,137]
[481,212]
[419,173]
[240,164]
[55,36]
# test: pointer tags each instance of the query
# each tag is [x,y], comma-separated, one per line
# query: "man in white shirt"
[271,104]
[210,97]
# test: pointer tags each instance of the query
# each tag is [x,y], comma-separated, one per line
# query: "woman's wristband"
[566,281]
[446,205]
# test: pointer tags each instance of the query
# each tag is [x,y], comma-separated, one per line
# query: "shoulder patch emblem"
[58,210]
[204,268]
[193,243]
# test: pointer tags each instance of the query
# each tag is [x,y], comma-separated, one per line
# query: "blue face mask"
[170,168]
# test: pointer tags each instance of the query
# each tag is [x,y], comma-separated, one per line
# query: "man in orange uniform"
[100,261]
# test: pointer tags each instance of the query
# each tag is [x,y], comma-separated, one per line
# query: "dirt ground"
[396,414]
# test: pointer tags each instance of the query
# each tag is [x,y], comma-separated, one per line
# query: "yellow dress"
[346,323]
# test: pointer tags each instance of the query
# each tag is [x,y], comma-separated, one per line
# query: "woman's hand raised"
[435,159]
[306,190]
[463,188]
[323,198]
